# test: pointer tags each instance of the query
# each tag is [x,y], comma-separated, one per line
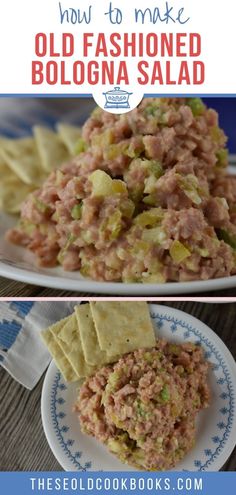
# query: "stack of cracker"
[96,334]
[26,162]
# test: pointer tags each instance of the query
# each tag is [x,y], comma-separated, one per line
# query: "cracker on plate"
[52,150]
[69,134]
[122,326]
[58,355]
[12,193]
[21,156]
[92,351]
[5,170]
[68,337]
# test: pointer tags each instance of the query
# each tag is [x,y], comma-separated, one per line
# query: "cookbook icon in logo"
[117,98]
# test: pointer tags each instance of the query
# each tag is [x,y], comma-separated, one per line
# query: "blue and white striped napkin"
[22,353]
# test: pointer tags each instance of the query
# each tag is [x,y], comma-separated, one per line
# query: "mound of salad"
[147,199]
[144,407]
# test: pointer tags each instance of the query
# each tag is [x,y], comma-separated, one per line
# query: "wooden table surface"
[22,440]
[10,288]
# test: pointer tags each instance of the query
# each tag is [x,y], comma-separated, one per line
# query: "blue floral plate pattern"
[216,426]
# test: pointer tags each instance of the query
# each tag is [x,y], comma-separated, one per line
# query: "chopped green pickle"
[216,134]
[179,252]
[76,211]
[151,110]
[204,253]
[154,110]
[112,225]
[70,239]
[40,205]
[80,146]
[222,158]
[175,349]
[153,107]
[150,200]
[165,394]
[156,168]
[148,357]
[227,237]
[27,226]
[189,185]
[141,410]
[127,208]
[196,105]
[114,379]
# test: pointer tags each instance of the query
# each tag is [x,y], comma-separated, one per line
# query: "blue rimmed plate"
[216,426]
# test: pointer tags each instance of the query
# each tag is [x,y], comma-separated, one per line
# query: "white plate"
[216,428]
[18,264]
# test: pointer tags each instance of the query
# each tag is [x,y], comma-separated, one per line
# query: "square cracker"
[13,193]
[51,149]
[122,326]
[21,156]
[69,134]
[58,355]
[92,352]
[5,170]
[68,337]
[13,190]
